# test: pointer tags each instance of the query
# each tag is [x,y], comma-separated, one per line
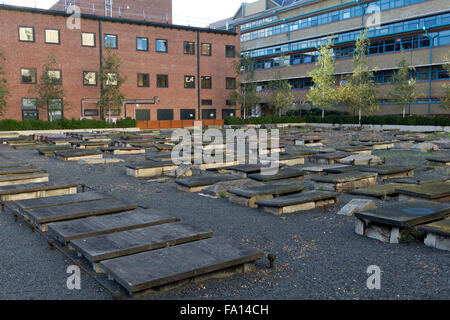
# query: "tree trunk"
[404,109]
[323,113]
[359,115]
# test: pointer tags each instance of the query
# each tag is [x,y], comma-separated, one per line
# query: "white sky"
[187,12]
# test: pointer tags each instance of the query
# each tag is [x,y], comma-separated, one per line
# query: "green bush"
[15,125]
[344,119]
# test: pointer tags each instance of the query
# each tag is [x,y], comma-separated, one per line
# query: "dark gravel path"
[318,254]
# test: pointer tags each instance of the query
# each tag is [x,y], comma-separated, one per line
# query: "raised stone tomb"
[343,182]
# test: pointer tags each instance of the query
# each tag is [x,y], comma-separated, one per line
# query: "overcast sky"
[187,12]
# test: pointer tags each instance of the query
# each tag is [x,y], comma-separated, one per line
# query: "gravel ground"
[319,256]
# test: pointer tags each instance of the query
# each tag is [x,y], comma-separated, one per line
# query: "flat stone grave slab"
[322,167]
[307,200]
[382,191]
[359,149]
[440,160]
[281,174]
[343,182]
[29,146]
[244,170]
[435,191]
[390,171]
[290,159]
[90,144]
[423,179]
[123,243]
[356,205]
[380,145]
[21,206]
[344,169]
[35,190]
[178,263]
[123,150]
[76,155]
[67,231]
[163,147]
[360,159]
[160,156]
[18,171]
[248,196]
[329,158]
[198,183]
[13,164]
[438,234]
[23,179]
[150,168]
[388,223]
[42,216]
[49,151]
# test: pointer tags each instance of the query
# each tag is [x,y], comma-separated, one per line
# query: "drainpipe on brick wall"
[198,76]
[100,44]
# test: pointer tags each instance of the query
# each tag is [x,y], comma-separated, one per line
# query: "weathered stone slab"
[390,171]
[49,151]
[150,168]
[441,160]
[382,191]
[13,164]
[291,159]
[221,188]
[198,183]
[23,179]
[18,171]
[359,149]
[35,190]
[245,169]
[76,155]
[100,161]
[298,202]
[43,216]
[283,173]
[329,158]
[118,244]
[356,205]
[360,159]
[183,170]
[177,263]
[435,191]
[343,182]
[438,234]
[424,147]
[344,169]
[67,231]
[323,167]
[123,150]
[423,179]
[406,213]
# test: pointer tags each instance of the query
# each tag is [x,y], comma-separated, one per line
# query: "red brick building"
[148,10]
[172,72]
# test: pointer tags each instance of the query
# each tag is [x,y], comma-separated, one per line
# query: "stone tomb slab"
[45,202]
[343,182]
[319,169]
[150,169]
[291,159]
[358,149]
[382,191]
[281,174]
[123,150]
[423,179]
[179,263]
[67,231]
[35,190]
[49,151]
[356,205]
[390,171]
[344,169]
[440,160]
[248,196]
[18,171]
[329,158]
[245,169]
[436,191]
[13,164]
[43,216]
[123,243]
[198,183]
[298,202]
[23,179]
[76,155]
[438,234]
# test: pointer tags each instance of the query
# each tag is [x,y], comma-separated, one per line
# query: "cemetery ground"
[318,253]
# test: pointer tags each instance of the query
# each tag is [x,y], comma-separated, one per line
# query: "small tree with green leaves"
[4,93]
[359,92]
[446,99]
[281,96]
[403,92]
[324,92]
[111,98]
[49,88]
[245,94]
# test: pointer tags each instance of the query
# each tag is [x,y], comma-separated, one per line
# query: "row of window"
[399,27]
[376,47]
[338,15]
[90,78]
[52,36]
[380,77]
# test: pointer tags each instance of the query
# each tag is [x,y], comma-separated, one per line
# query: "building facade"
[283,37]
[147,10]
[172,72]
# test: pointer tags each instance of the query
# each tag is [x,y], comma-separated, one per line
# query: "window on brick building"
[110,41]
[28,76]
[209,114]
[26,34]
[161,45]
[230,83]
[142,44]
[52,36]
[143,80]
[165,114]
[206,82]
[187,114]
[230,51]
[206,49]
[89,78]
[189,47]
[29,109]
[162,81]
[189,82]
[55,76]
[88,39]
[55,109]
[111,79]
[207,102]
